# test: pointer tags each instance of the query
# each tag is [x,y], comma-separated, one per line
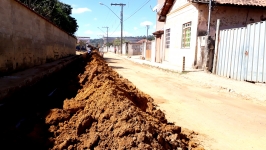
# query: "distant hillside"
[99,42]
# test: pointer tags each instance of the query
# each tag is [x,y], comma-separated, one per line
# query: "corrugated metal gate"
[242,54]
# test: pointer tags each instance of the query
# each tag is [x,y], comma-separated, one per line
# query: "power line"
[110,18]
[138,10]
[115,30]
[101,30]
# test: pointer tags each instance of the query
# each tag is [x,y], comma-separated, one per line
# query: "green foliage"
[109,44]
[117,42]
[96,42]
[150,37]
[55,11]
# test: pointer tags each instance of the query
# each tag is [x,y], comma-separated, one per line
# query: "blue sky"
[91,17]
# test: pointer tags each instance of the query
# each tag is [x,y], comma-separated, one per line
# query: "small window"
[186,35]
[167,38]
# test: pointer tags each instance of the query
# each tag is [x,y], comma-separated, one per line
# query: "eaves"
[179,8]
[165,9]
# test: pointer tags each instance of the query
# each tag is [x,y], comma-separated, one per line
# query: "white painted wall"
[144,50]
[175,20]
[153,52]
[124,49]
[178,4]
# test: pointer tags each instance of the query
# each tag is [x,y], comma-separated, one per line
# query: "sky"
[92,17]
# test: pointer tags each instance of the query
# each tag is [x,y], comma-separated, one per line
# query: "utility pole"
[107,37]
[148,26]
[121,20]
[207,39]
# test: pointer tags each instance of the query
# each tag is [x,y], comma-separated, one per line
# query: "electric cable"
[137,10]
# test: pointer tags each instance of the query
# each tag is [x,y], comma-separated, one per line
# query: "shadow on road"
[109,59]
[117,67]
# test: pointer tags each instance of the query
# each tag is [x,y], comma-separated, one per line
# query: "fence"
[242,54]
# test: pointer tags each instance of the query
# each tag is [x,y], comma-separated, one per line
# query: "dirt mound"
[109,112]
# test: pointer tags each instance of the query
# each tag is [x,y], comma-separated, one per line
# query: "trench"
[22,115]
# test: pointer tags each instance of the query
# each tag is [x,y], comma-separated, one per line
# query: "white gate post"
[144,50]
[216,47]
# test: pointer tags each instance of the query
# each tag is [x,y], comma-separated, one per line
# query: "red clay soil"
[109,112]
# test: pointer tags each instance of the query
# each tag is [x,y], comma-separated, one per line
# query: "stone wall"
[27,39]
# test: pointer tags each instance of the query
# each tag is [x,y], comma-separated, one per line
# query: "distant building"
[82,43]
[127,39]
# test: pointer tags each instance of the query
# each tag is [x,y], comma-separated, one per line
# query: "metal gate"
[242,54]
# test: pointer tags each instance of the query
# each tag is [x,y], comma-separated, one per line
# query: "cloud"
[145,23]
[95,18]
[80,10]
[135,28]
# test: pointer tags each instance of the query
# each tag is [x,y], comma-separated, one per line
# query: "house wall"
[124,49]
[159,25]
[162,58]
[153,52]
[158,39]
[178,4]
[27,40]
[179,15]
[134,48]
[231,17]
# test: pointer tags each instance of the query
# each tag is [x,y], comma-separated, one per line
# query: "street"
[223,118]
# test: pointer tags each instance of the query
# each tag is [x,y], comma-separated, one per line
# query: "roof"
[159,32]
[243,2]
[169,3]
[141,41]
[165,9]
[237,2]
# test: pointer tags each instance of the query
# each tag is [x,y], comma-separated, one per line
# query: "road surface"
[224,120]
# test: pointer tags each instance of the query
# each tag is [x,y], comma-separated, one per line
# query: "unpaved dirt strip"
[226,120]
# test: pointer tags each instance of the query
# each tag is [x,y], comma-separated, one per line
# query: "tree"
[151,37]
[55,11]
[109,44]
[117,42]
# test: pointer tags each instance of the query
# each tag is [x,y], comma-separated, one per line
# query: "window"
[167,38]
[186,35]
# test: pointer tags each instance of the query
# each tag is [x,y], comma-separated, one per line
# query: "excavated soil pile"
[109,112]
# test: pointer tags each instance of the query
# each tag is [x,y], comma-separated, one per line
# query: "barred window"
[186,35]
[167,38]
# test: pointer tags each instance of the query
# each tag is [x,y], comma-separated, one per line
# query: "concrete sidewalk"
[163,65]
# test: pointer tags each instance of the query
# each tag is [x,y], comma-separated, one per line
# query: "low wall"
[27,39]
[134,49]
